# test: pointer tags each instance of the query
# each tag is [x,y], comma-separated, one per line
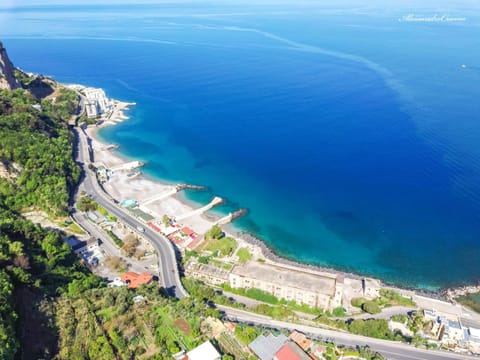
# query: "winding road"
[168,268]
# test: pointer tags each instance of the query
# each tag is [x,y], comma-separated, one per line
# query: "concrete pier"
[160,196]
[216,201]
[128,166]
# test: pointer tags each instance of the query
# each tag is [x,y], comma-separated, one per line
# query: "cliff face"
[7,75]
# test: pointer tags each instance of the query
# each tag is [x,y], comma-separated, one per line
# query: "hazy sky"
[368,3]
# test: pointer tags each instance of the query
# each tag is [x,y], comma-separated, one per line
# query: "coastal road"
[169,273]
[390,349]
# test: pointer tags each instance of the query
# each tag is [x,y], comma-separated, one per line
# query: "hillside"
[51,305]
[8,80]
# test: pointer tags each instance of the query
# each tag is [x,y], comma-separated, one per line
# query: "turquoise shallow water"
[350,136]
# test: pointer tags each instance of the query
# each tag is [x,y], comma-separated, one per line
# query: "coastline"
[173,204]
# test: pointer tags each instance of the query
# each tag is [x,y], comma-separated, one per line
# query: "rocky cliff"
[7,71]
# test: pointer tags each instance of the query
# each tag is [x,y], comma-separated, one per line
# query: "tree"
[339,311]
[166,221]
[130,245]
[371,307]
[214,233]
[358,301]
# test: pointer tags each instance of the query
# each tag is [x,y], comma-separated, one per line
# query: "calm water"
[352,138]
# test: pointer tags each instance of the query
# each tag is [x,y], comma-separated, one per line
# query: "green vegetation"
[224,246]
[36,266]
[470,300]
[214,233]
[166,221]
[377,328]
[255,294]
[116,263]
[387,297]
[107,324]
[339,311]
[74,228]
[115,238]
[244,255]
[371,307]
[268,298]
[246,334]
[88,204]
[392,297]
[40,144]
[130,244]
[400,318]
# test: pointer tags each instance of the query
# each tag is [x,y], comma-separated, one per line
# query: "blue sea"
[350,132]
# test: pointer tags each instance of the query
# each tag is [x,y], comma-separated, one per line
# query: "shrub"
[244,255]
[358,301]
[371,307]
[214,233]
[339,311]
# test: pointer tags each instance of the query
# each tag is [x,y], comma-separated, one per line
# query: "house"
[117,282]
[192,245]
[301,340]
[265,347]
[88,246]
[454,330]
[134,280]
[291,351]
[206,351]
[472,339]
[189,232]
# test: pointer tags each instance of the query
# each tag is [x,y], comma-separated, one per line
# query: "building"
[134,280]
[206,351]
[265,347]
[83,247]
[292,284]
[291,351]
[301,340]
[207,273]
[472,339]
[117,282]
[96,102]
[454,331]
[189,232]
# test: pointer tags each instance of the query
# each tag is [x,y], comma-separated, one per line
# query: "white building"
[96,102]
[117,282]
[206,351]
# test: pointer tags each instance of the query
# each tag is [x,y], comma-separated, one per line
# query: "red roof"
[153,226]
[187,231]
[134,280]
[194,243]
[301,340]
[291,351]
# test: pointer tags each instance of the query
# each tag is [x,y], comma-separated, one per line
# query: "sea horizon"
[346,156]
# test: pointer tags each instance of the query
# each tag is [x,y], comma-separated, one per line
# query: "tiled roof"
[135,280]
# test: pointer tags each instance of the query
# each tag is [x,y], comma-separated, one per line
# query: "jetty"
[161,196]
[230,217]
[190,187]
[132,165]
[216,201]
[107,147]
